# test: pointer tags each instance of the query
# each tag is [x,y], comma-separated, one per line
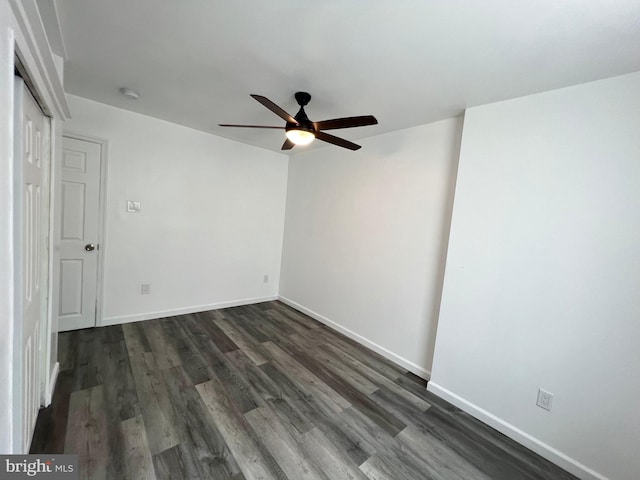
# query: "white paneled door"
[79,229]
[35,214]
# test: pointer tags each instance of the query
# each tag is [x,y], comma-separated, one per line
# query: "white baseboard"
[553,455]
[52,385]
[394,357]
[183,311]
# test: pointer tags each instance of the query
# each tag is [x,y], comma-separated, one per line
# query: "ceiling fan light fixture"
[301,131]
[300,137]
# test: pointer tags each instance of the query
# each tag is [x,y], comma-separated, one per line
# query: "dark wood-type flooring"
[259,392]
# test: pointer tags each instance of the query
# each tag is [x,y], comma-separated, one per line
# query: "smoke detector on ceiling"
[130,94]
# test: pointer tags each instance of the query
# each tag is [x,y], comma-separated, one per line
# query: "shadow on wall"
[444,244]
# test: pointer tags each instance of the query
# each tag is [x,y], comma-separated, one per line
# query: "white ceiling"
[408,62]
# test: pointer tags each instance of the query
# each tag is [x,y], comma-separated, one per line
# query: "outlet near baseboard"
[545,399]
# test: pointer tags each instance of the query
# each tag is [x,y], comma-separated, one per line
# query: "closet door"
[34,163]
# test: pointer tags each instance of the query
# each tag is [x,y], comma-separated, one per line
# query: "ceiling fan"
[301,131]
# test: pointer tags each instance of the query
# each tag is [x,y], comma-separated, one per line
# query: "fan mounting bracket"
[302,98]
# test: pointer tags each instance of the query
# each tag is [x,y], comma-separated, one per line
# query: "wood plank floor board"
[121,399]
[117,456]
[285,309]
[245,321]
[203,446]
[165,353]
[372,438]
[259,392]
[488,457]
[358,400]
[86,359]
[292,323]
[377,379]
[86,432]
[190,358]
[262,387]
[292,405]
[216,362]
[384,467]
[334,363]
[341,379]
[134,339]
[248,344]
[236,387]
[364,355]
[519,455]
[201,340]
[221,339]
[334,462]
[253,458]
[170,464]
[302,409]
[138,462]
[219,367]
[67,350]
[285,448]
[280,314]
[305,379]
[276,327]
[413,384]
[345,440]
[240,317]
[406,412]
[443,461]
[155,405]
[54,418]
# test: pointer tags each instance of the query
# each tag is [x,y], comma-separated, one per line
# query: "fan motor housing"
[303,98]
[301,117]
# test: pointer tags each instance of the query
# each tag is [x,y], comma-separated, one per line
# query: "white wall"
[211,222]
[542,287]
[365,237]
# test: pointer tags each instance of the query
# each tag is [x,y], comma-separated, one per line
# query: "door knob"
[89,247]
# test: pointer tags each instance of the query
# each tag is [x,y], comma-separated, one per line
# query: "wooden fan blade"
[341,142]
[274,108]
[346,122]
[288,145]
[247,126]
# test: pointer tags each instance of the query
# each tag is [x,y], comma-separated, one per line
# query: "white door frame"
[102,221]
[51,375]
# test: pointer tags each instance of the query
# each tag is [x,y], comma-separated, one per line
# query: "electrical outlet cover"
[545,399]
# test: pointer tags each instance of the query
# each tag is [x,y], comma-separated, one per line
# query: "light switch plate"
[133,206]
